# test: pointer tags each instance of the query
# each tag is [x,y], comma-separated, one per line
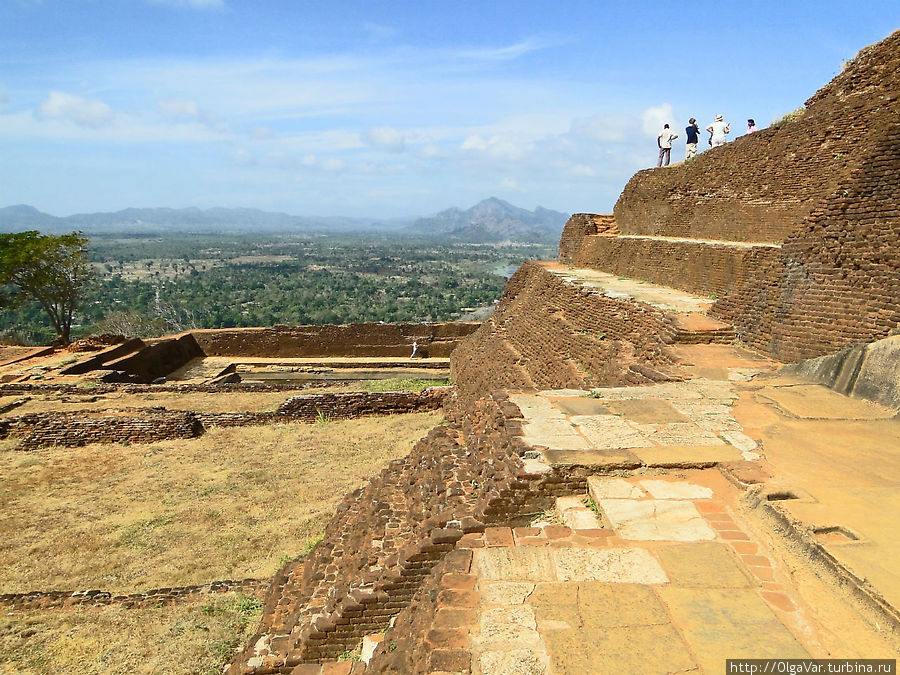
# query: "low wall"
[159,358]
[315,407]
[387,537]
[147,425]
[73,429]
[579,226]
[152,598]
[703,269]
[363,339]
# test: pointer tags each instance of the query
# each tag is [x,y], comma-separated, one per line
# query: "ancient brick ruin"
[588,376]
[787,240]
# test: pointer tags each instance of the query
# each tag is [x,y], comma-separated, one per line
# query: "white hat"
[719,118]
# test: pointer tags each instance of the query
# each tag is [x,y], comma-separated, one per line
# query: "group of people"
[718,132]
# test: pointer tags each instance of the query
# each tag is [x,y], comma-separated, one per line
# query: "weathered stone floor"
[671,584]
[672,424]
[675,571]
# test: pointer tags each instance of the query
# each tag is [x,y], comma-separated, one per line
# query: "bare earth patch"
[234,503]
[192,637]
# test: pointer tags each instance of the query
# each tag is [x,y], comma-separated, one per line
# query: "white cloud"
[82,111]
[332,164]
[653,119]
[508,52]
[174,108]
[603,128]
[385,138]
[497,146]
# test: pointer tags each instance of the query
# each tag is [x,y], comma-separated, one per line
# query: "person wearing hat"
[717,131]
[751,126]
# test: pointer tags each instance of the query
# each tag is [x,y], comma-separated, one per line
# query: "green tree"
[53,270]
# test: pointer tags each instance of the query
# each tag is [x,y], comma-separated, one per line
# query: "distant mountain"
[23,217]
[493,220]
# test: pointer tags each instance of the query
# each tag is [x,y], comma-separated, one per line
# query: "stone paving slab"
[599,459]
[647,410]
[607,432]
[729,623]
[687,455]
[674,489]
[580,405]
[703,565]
[605,487]
[656,520]
[666,425]
[514,564]
[618,565]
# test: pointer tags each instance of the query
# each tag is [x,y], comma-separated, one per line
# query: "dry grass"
[218,402]
[212,402]
[191,637]
[230,504]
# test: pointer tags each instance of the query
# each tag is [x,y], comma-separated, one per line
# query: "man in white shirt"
[664,141]
[717,131]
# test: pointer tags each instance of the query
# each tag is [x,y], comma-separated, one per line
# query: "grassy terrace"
[233,503]
[195,638]
[218,402]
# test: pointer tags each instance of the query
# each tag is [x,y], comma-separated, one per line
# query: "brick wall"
[695,267]
[363,339]
[836,280]
[159,358]
[762,186]
[546,333]
[130,425]
[313,407]
[146,425]
[579,226]
[152,598]
[387,537]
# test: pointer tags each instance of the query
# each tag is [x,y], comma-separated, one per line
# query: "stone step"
[575,513]
[707,267]
[692,324]
[696,328]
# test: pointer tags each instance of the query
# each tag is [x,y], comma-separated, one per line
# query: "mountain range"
[493,220]
[490,220]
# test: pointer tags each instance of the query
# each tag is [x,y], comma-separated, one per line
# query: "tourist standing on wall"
[751,126]
[717,131]
[664,141]
[693,137]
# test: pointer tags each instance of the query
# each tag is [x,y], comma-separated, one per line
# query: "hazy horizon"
[358,110]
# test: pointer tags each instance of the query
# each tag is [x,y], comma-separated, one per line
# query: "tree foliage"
[53,270]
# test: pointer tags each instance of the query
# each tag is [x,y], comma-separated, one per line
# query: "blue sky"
[368,108]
